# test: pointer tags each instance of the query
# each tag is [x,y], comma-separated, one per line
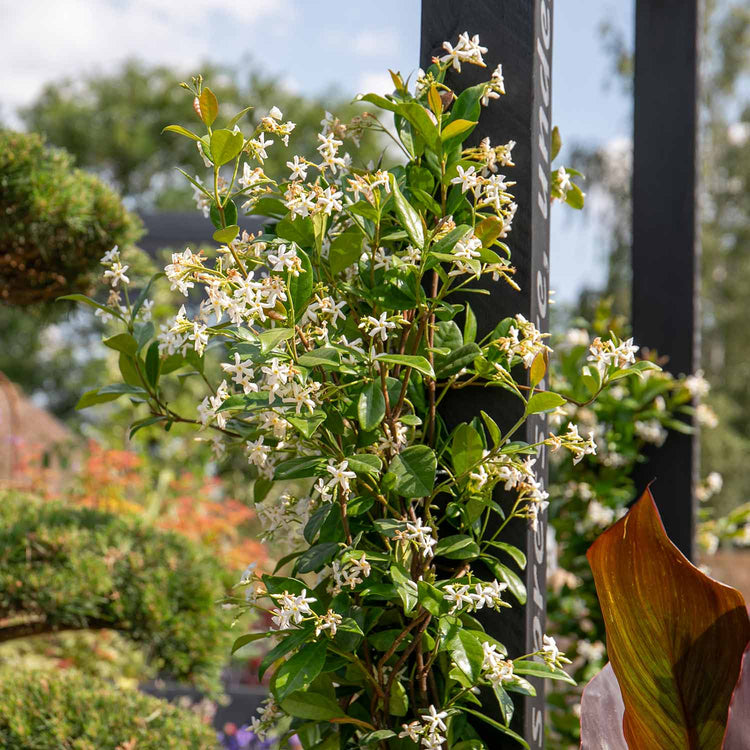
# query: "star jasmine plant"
[327,341]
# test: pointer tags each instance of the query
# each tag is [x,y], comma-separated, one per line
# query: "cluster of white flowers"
[481,595]
[495,666]
[466,50]
[552,654]
[705,416]
[606,353]
[697,385]
[349,574]
[283,518]
[591,651]
[428,732]
[574,442]
[523,340]
[710,486]
[269,714]
[599,515]
[291,609]
[650,431]
[115,270]
[330,621]
[420,535]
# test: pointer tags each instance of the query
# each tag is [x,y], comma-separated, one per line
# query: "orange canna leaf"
[675,637]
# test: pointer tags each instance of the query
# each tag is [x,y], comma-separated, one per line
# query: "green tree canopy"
[112,123]
[64,568]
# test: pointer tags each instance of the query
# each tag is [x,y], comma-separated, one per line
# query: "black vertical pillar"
[518,34]
[665,237]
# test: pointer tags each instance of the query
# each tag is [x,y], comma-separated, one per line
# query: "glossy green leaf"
[544,401]
[415,470]
[555,143]
[225,146]
[675,637]
[420,364]
[497,725]
[541,669]
[309,705]
[457,128]
[457,547]
[300,287]
[323,357]
[300,670]
[208,105]
[226,235]
[503,573]
[406,588]
[466,448]
[371,406]
[410,219]
[316,557]
[122,342]
[182,131]
[271,338]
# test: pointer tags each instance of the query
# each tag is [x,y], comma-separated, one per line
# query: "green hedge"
[66,710]
[64,568]
[55,221]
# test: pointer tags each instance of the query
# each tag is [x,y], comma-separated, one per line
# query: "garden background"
[107,68]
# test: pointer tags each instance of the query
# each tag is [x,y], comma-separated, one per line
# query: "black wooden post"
[665,238]
[518,34]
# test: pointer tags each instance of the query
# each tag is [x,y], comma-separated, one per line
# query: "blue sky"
[314,46]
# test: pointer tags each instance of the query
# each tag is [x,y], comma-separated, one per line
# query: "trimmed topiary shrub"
[64,568]
[50,710]
[56,221]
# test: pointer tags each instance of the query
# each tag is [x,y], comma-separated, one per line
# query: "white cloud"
[43,40]
[375,43]
[375,83]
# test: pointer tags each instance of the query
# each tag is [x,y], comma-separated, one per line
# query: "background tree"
[725,199]
[112,124]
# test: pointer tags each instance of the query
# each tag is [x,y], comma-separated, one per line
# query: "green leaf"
[380,734]
[467,106]
[420,364]
[538,369]
[457,128]
[418,118]
[398,704]
[556,143]
[518,557]
[226,235]
[378,101]
[299,671]
[307,424]
[299,468]
[316,557]
[371,406]
[141,423]
[269,339]
[243,640]
[540,669]
[415,470]
[143,334]
[675,637]
[88,301]
[454,362]
[364,463]
[225,146]
[299,231]
[409,218]
[515,585]
[491,426]
[431,598]
[230,215]
[238,117]
[406,588]
[108,393]
[505,702]
[122,342]
[497,725]
[290,643]
[208,105]
[470,325]
[466,651]
[457,547]
[300,287]
[345,250]
[152,364]
[466,448]
[314,706]
[544,401]
[182,131]
[323,357]
[575,197]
